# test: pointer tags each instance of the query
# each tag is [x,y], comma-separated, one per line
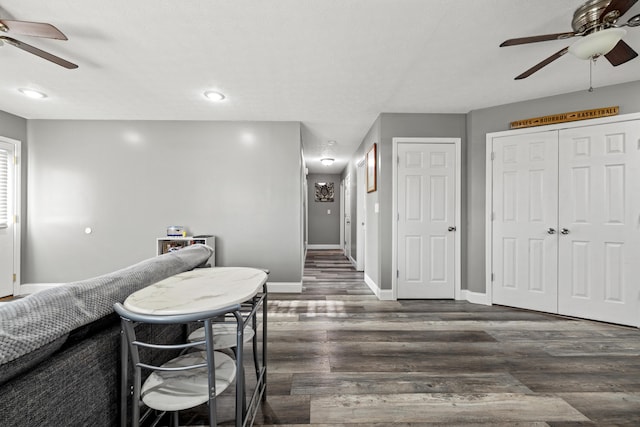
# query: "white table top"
[202,289]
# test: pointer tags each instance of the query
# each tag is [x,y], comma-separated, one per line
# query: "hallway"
[339,356]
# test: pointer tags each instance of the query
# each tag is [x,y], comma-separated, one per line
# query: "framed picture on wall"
[371,169]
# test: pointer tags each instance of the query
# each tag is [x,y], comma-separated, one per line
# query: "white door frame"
[17,208]
[394,212]
[489,180]
[341,245]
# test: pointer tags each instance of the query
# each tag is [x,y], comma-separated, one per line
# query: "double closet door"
[566,221]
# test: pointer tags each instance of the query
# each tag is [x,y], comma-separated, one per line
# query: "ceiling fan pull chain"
[591,62]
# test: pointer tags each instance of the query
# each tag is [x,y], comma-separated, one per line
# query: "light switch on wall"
[328,211]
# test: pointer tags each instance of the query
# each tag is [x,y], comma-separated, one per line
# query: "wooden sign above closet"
[566,117]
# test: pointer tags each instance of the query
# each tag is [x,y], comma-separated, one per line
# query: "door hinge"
[493,277]
[493,155]
[398,217]
[15,160]
[398,160]
[15,277]
[15,219]
[397,274]
[493,216]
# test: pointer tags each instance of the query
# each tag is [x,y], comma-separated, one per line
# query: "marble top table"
[202,289]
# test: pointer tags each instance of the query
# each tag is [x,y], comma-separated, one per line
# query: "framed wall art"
[371,169]
[324,192]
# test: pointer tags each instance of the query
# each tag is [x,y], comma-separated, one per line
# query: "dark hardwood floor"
[340,357]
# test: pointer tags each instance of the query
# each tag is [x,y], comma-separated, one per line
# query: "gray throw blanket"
[29,323]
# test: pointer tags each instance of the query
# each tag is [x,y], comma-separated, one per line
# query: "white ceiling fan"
[596,21]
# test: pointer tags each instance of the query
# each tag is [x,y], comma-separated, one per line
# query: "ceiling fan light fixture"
[214,96]
[32,93]
[327,161]
[597,43]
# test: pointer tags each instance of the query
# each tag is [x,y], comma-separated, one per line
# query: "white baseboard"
[386,295]
[336,246]
[475,297]
[284,287]
[32,288]
[382,294]
[353,262]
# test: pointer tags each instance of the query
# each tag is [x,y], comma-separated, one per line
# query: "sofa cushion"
[47,317]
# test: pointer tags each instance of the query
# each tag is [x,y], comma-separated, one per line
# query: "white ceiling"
[333,65]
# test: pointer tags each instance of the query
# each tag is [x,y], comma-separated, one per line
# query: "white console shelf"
[174,243]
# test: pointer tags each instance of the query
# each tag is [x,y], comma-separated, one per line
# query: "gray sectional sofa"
[60,348]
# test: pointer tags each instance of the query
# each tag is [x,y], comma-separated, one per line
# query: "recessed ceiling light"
[31,93]
[212,95]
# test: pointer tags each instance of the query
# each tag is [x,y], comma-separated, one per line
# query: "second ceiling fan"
[596,22]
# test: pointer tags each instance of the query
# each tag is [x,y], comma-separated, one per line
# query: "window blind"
[4,188]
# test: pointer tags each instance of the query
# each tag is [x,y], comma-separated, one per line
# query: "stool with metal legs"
[224,338]
[186,381]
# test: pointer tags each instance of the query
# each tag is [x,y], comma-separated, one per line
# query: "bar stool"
[186,381]
[224,335]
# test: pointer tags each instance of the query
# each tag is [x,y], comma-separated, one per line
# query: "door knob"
[551,231]
[564,231]
[452,228]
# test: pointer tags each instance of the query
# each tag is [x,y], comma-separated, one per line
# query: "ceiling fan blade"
[535,39]
[622,6]
[34,29]
[620,54]
[41,53]
[544,63]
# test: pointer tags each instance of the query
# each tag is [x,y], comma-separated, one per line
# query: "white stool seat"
[177,390]
[224,335]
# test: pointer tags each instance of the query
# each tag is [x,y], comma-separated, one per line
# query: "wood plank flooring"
[340,357]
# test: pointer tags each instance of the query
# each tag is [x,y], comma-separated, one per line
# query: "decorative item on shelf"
[371,169]
[176,231]
[324,191]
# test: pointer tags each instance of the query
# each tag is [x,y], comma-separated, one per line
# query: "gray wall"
[481,122]
[372,223]
[13,126]
[129,180]
[379,225]
[324,228]
[408,125]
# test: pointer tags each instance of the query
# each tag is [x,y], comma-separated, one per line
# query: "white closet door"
[525,212]
[599,260]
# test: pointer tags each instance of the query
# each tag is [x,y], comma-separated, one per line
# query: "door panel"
[426,210]
[525,184]
[600,209]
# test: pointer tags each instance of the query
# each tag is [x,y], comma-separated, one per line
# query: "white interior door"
[599,264]
[426,220]
[361,215]
[7,211]
[347,216]
[525,217]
